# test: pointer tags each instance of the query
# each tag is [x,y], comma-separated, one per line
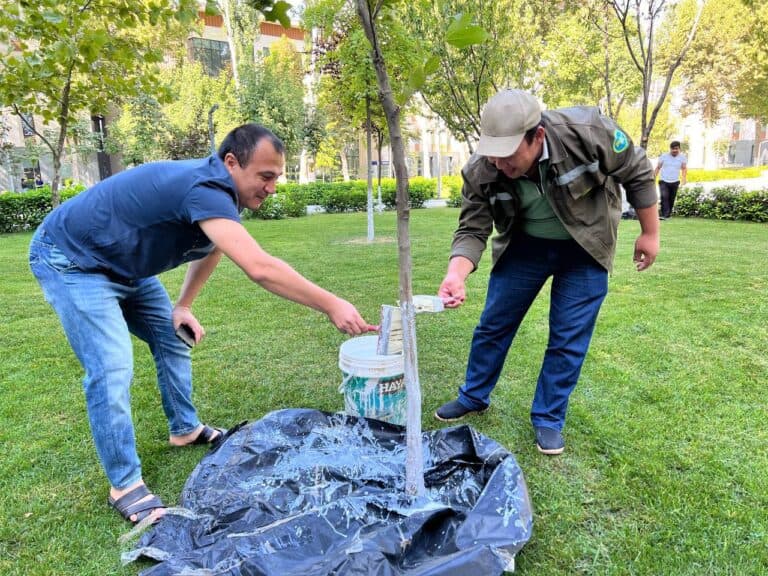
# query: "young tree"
[376,16]
[414,481]
[348,80]
[61,59]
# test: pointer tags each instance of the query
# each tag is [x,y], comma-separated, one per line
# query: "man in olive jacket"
[549,183]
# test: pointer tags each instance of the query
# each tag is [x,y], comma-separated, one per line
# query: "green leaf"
[211,8]
[416,78]
[463,33]
[279,13]
[403,97]
[432,65]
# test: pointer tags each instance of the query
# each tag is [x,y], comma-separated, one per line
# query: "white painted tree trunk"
[414,465]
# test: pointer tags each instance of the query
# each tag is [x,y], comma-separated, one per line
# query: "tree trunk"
[344,164]
[369,176]
[414,471]
[227,9]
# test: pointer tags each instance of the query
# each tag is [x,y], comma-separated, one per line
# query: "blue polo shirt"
[145,220]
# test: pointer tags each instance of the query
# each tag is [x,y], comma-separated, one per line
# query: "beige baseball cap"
[505,119]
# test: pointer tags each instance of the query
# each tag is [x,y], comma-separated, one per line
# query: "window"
[213,54]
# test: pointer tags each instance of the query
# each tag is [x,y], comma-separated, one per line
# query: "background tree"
[241,23]
[272,94]
[63,59]
[194,93]
[139,131]
[752,72]
[640,21]
[709,80]
[586,62]
[471,71]
[149,130]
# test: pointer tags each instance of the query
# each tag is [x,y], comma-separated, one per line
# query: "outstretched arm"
[278,277]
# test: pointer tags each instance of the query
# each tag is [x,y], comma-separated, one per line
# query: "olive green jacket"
[588,156]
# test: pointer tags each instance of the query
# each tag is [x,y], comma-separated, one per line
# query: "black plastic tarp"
[303,492]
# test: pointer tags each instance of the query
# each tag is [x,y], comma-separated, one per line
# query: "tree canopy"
[63,59]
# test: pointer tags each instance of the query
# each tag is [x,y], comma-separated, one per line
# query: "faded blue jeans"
[579,286]
[98,314]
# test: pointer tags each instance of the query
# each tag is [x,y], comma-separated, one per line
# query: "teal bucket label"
[378,398]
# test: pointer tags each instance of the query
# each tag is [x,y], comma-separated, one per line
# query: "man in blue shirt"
[97,257]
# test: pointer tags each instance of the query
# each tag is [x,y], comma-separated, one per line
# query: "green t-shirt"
[538,218]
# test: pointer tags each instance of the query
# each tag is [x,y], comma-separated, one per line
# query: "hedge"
[291,199]
[724,203]
[25,210]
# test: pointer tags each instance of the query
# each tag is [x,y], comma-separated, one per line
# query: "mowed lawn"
[666,462]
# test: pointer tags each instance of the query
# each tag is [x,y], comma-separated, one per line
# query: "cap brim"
[499,146]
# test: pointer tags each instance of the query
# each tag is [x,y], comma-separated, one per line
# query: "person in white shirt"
[674,171]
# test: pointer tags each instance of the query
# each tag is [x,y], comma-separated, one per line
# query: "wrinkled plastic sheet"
[303,492]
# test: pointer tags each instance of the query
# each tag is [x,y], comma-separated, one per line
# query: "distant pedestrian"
[674,172]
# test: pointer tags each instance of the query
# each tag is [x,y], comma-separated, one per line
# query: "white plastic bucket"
[373,384]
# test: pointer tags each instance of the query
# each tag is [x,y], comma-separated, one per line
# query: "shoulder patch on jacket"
[620,141]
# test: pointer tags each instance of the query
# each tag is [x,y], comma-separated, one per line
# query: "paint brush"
[426,303]
[390,339]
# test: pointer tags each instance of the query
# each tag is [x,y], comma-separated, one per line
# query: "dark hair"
[530,134]
[674,144]
[242,141]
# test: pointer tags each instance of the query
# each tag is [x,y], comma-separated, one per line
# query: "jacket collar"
[557,152]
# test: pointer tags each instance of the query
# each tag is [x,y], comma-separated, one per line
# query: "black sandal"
[206,436]
[128,504]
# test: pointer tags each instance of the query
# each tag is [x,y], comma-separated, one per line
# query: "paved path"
[747,183]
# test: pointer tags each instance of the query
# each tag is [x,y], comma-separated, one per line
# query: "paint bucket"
[373,384]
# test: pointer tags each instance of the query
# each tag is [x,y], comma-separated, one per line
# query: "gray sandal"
[128,504]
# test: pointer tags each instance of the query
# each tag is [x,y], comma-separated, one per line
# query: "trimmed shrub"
[279,206]
[419,191]
[724,203]
[25,210]
[453,184]
[311,193]
[345,197]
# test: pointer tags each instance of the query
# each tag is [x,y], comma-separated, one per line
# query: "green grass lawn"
[666,462]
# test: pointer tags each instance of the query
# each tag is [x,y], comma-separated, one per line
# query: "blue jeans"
[579,286]
[98,314]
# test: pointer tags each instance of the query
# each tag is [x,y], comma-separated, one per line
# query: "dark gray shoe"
[549,441]
[455,410]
